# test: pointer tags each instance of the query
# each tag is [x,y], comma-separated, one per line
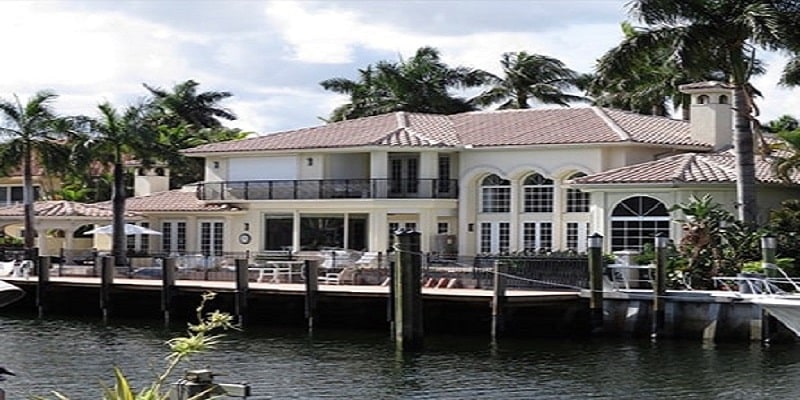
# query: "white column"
[514,223]
[296,231]
[379,173]
[427,226]
[428,168]
[378,231]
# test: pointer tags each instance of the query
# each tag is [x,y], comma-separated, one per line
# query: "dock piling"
[312,283]
[498,298]
[106,282]
[43,276]
[408,291]
[242,289]
[595,245]
[168,287]
[769,245]
[659,286]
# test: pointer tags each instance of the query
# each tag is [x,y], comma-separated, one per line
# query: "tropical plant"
[784,224]
[419,84]
[649,80]
[31,131]
[185,118]
[112,139]
[701,243]
[530,77]
[185,105]
[723,33]
[199,338]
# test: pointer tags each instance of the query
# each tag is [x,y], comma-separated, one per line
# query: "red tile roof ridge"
[601,112]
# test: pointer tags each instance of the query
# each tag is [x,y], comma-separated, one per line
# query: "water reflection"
[74,356]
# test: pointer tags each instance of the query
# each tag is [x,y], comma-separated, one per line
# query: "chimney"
[711,113]
[150,180]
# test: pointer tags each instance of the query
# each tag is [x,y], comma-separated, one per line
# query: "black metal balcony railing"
[329,189]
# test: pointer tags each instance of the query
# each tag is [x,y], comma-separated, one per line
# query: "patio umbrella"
[130,229]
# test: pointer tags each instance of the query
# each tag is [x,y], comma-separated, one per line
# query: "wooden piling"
[242,289]
[310,273]
[408,292]
[43,276]
[107,268]
[168,287]
[499,298]
[769,259]
[390,300]
[596,282]
[659,287]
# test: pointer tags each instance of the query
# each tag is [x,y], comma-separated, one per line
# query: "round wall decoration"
[245,238]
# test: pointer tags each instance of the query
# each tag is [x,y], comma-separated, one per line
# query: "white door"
[494,237]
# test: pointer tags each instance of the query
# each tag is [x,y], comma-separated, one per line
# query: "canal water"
[76,357]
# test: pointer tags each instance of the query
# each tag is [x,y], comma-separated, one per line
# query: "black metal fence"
[525,271]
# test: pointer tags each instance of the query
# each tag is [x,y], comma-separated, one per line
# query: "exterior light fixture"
[595,241]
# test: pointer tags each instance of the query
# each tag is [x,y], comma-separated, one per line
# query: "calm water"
[75,356]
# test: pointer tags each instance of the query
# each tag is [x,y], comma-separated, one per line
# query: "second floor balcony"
[311,189]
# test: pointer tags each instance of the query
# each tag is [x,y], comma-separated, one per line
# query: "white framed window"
[443,228]
[537,236]
[494,237]
[495,194]
[538,194]
[577,200]
[577,233]
[636,220]
[212,237]
[173,237]
[139,243]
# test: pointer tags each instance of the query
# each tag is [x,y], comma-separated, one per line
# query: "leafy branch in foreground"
[199,338]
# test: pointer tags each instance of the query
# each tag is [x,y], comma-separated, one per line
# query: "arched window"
[538,194]
[495,194]
[636,220]
[702,99]
[723,99]
[577,200]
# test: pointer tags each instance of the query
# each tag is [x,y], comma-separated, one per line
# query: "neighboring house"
[471,183]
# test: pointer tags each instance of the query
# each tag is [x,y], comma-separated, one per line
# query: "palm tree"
[723,33]
[185,118]
[185,104]
[528,77]
[115,137]
[420,84]
[32,130]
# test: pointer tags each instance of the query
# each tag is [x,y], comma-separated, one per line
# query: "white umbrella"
[130,229]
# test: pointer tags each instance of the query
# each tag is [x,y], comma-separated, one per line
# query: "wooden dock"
[361,306]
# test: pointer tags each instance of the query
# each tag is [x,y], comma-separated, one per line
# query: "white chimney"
[150,180]
[711,113]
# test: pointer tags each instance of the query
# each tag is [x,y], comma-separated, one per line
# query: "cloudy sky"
[272,54]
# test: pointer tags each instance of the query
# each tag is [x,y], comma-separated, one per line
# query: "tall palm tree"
[530,77]
[420,84]
[183,118]
[114,138]
[725,33]
[185,104]
[30,130]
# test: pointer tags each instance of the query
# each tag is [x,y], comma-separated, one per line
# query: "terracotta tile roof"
[171,201]
[685,168]
[63,208]
[480,129]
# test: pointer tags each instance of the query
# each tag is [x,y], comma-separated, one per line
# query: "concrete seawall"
[699,315]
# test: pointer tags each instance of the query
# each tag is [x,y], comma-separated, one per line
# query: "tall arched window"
[538,194]
[636,220]
[577,200]
[495,194]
